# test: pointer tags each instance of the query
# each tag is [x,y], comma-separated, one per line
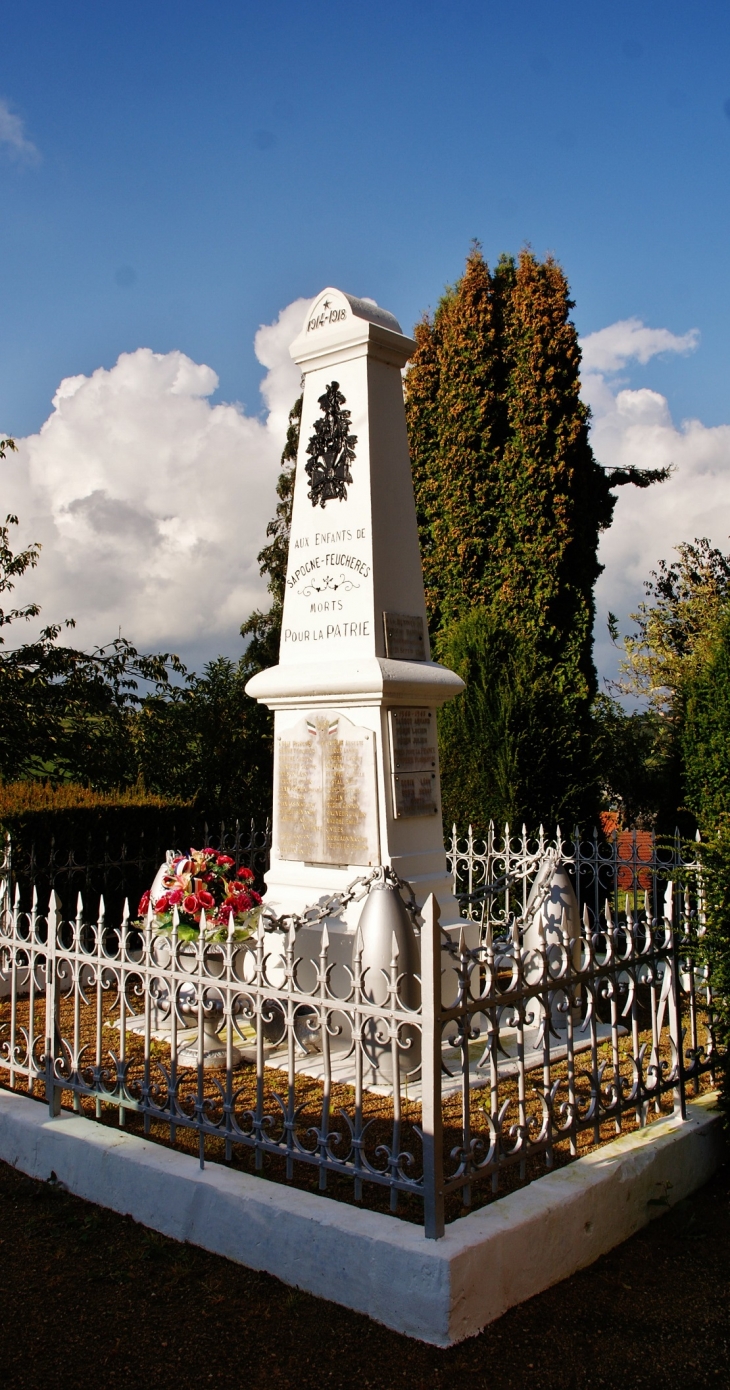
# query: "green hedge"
[73,840]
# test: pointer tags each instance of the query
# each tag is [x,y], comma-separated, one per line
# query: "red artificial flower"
[144,903]
[245,873]
[209,852]
[205,899]
[162,903]
[225,859]
[242,902]
[190,903]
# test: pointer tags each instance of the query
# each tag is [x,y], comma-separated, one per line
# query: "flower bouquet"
[202,882]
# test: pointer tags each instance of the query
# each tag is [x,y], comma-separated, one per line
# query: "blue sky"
[236,156]
[175,174]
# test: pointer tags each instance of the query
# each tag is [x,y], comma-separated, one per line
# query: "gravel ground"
[90,1299]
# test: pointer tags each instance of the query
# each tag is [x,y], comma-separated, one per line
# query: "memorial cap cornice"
[339,327]
[358,681]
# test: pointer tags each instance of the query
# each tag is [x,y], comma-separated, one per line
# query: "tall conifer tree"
[511,503]
[554,498]
[456,409]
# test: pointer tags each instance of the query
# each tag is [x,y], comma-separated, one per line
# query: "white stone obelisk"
[355,694]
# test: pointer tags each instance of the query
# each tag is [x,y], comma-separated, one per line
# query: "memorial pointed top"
[335,320]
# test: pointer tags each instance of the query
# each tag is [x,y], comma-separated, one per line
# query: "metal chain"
[315,915]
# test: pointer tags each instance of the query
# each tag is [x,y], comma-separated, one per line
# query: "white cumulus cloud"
[636,427]
[611,348]
[281,385]
[13,137]
[150,502]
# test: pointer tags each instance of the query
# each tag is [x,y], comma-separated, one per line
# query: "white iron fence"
[572,1003]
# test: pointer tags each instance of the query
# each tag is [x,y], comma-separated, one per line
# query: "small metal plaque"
[326,792]
[405,639]
[414,794]
[412,740]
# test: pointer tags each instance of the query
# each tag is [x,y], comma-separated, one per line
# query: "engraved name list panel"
[326,792]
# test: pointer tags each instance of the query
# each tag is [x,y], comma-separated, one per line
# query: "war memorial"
[461,1076]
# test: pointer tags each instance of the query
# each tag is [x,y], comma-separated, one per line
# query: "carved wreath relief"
[332,450]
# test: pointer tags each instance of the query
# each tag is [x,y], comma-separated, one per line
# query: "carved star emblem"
[326,305]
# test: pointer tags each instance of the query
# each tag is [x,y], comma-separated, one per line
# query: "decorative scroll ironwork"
[331,449]
[535,1040]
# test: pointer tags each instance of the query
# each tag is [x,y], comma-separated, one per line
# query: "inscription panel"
[326,792]
[415,794]
[405,639]
[412,740]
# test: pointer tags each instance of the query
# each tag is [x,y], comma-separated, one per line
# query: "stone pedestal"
[355,694]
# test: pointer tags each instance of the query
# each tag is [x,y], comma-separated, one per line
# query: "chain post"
[432,1118]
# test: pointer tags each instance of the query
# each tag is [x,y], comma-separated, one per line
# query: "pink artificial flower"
[175,897]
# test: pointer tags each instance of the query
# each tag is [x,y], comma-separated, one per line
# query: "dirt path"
[90,1299]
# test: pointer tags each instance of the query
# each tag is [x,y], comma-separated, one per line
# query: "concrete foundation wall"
[437,1291]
